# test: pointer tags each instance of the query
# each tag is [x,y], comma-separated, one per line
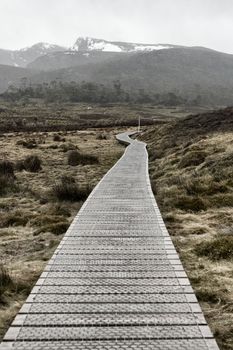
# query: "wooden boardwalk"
[115,281]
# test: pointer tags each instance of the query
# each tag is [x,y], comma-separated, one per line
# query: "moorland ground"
[40,116]
[191,171]
[44,179]
[56,159]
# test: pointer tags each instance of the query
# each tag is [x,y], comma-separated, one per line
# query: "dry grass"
[39,116]
[192,179]
[32,218]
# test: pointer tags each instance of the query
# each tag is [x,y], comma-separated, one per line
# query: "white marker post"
[139,123]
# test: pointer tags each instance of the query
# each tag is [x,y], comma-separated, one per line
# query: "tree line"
[89,92]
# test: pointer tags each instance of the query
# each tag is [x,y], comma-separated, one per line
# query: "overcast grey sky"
[186,22]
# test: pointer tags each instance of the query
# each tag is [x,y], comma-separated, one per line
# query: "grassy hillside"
[191,170]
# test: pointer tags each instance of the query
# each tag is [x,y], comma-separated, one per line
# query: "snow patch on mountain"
[103,46]
[150,47]
[91,44]
[41,46]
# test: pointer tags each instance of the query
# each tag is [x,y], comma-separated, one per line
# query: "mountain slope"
[186,71]
[90,50]
[195,73]
[21,58]
[51,54]
[66,59]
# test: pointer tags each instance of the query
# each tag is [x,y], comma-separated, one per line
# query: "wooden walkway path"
[115,281]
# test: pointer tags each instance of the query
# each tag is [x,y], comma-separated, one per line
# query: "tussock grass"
[68,190]
[192,158]
[216,249]
[31,163]
[57,228]
[190,203]
[6,168]
[59,210]
[7,184]
[29,143]
[66,147]
[58,138]
[76,158]
[5,278]
[102,136]
[191,169]
[7,177]
[6,283]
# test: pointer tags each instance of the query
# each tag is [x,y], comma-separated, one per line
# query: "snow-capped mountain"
[27,55]
[92,44]
[22,57]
